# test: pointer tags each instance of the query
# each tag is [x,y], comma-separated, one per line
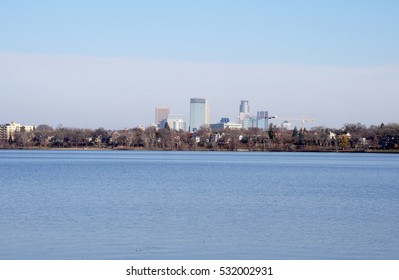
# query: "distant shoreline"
[369,151]
[353,138]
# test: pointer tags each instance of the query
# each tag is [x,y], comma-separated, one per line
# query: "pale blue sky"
[109,63]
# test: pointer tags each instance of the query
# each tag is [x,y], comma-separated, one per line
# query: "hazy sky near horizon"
[110,63]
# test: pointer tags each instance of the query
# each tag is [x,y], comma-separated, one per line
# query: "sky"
[108,64]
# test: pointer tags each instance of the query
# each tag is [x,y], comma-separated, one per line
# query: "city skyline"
[114,62]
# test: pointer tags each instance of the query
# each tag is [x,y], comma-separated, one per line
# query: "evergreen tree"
[167,126]
[301,136]
[295,135]
[270,131]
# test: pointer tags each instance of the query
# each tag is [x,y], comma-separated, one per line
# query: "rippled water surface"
[198,205]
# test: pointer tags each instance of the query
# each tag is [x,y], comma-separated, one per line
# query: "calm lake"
[198,205]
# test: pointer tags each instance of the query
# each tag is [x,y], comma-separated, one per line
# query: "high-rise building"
[262,119]
[199,113]
[262,115]
[244,111]
[244,107]
[161,113]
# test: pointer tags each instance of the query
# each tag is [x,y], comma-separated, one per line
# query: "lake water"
[198,205]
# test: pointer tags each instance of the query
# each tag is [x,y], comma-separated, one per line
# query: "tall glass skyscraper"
[244,107]
[244,111]
[199,113]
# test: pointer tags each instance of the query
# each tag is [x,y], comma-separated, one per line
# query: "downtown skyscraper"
[244,111]
[199,113]
[161,113]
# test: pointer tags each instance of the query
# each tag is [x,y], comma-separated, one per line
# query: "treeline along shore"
[349,138]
